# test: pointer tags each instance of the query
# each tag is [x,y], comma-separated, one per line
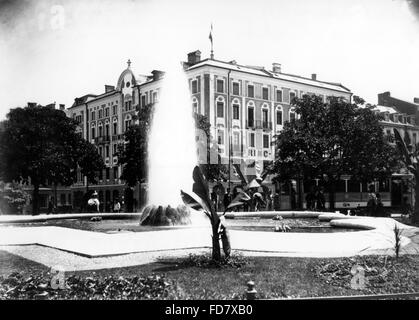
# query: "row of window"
[414,141]
[220,88]
[108,173]
[106,132]
[399,118]
[102,114]
[151,97]
[107,150]
[105,112]
[251,113]
[236,140]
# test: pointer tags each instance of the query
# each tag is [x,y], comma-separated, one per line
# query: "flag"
[210,35]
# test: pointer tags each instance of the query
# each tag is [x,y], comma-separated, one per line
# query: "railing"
[117,137]
[259,124]
[102,139]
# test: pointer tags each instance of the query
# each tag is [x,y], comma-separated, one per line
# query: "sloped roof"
[266,73]
[386,109]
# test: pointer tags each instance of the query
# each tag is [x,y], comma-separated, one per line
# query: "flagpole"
[212,48]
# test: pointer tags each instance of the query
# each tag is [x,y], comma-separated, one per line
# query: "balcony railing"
[259,124]
[103,139]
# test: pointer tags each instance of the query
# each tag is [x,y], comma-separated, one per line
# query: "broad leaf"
[195,204]
[191,202]
[200,188]
[239,172]
[239,200]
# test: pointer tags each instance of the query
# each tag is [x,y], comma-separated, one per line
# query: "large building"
[250,104]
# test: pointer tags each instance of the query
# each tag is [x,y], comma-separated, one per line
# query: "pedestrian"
[372,202]
[226,201]
[117,206]
[94,203]
[277,202]
[311,199]
[379,207]
[293,197]
[320,199]
[50,206]
[406,208]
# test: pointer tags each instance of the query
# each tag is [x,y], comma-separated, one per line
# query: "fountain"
[171,151]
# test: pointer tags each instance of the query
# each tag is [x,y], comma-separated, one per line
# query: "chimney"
[109,88]
[157,74]
[383,98]
[32,104]
[313,76]
[62,106]
[276,67]
[194,57]
[416,100]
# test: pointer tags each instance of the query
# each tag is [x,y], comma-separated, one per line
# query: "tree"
[212,168]
[132,155]
[13,198]
[40,145]
[332,139]
[410,158]
[204,204]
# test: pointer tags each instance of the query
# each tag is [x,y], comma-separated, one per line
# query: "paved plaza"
[74,249]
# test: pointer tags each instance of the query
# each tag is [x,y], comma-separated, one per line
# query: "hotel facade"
[245,105]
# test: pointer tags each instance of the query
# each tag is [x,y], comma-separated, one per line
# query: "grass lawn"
[193,279]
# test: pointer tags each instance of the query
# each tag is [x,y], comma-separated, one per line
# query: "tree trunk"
[332,192]
[225,239]
[35,199]
[55,197]
[216,250]
[415,216]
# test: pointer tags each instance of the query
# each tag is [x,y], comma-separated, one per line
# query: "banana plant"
[200,201]
[410,158]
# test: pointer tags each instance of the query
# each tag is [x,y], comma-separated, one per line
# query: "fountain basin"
[154,215]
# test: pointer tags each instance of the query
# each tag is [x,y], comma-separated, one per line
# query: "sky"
[55,50]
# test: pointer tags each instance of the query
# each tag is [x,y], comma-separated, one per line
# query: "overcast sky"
[57,50]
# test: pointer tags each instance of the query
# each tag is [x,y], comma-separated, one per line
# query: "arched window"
[236,111]
[292,114]
[220,107]
[100,128]
[279,116]
[195,105]
[127,122]
[251,114]
[265,117]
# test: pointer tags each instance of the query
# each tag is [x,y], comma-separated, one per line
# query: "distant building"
[404,116]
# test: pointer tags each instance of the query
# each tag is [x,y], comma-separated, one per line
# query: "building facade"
[403,116]
[245,105]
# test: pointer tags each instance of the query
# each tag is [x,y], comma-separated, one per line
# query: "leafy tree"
[132,155]
[40,145]
[213,169]
[12,198]
[332,139]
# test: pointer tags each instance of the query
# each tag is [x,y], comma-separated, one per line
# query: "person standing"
[117,206]
[379,207]
[321,200]
[372,202]
[94,203]
[50,206]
